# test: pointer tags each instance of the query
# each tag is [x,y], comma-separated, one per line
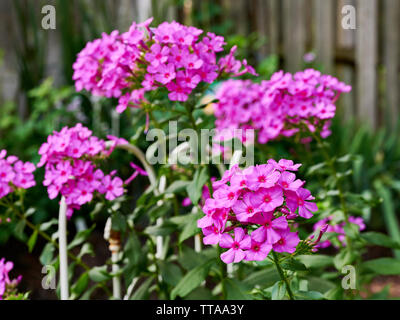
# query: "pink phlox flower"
[270,227]
[288,242]
[236,246]
[298,199]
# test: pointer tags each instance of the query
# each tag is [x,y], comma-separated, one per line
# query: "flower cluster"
[279,106]
[337,229]
[14,174]
[6,284]
[70,169]
[256,205]
[171,56]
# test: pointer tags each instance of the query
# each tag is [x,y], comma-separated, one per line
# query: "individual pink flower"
[236,245]
[113,187]
[261,176]
[246,208]
[288,181]
[298,199]
[287,243]
[268,199]
[258,250]
[270,229]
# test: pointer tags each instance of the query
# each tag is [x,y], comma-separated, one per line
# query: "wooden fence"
[366,57]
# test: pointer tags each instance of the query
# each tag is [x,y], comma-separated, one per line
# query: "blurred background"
[37,94]
[295,32]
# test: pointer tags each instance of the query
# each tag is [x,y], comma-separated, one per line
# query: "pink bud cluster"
[14,174]
[5,281]
[256,205]
[278,106]
[69,157]
[171,56]
[337,229]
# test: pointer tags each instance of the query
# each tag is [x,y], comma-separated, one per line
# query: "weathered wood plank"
[324,14]
[366,56]
[294,34]
[345,55]
[391,59]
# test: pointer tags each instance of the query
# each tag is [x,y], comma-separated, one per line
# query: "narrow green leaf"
[99,274]
[278,291]
[192,280]
[236,290]
[81,285]
[32,240]
[143,291]
[195,187]
[380,239]
[316,261]
[383,266]
[389,214]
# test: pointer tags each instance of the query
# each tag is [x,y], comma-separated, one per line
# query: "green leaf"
[316,168]
[177,186]
[118,222]
[380,239]
[47,254]
[166,228]
[316,261]
[80,237]
[352,230]
[383,266]
[194,188]
[32,240]
[99,274]
[170,272]
[190,228]
[80,285]
[389,214]
[192,280]
[236,290]
[190,259]
[87,248]
[278,291]
[343,258]
[309,295]
[293,265]
[264,278]
[143,291]
[319,284]
[45,226]
[19,229]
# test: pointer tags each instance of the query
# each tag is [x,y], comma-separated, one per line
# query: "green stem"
[331,164]
[282,275]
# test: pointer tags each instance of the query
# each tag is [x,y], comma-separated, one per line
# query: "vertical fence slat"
[238,14]
[391,58]
[294,34]
[324,33]
[262,25]
[345,42]
[8,72]
[273,26]
[366,56]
